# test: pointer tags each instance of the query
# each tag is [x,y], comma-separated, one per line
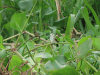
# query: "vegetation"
[49,37]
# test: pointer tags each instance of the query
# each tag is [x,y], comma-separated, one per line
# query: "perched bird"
[52,38]
[36,34]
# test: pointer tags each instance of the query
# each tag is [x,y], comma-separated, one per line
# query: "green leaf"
[84,48]
[96,43]
[1,39]
[68,38]
[73,64]
[49,65]
[58,32]
[78,5]
[59,22]
[93,12]
[52,65]
[1,46]
[64,71]
[17,21]
[25,5]
[44,55]
[67,55]
[48,50]
[70,25]
[47,13]
[60,59]
[3,53]
[81,27]
[97,73]
[85,15]
[83,40]
[21,50]
[85,67]
[96,28]
[16,61]
[8,29]
[77,16]
[30,44]
[29,59]
[61,45]
[65,49]
[21,39]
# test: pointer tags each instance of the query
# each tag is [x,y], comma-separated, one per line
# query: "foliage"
[27,25]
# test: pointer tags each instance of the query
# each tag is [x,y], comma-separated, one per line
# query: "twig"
[9,43]
[11,37]
[36,37]
[76,32]
[30,54]
[58,9]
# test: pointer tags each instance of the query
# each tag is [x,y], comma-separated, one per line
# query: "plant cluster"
[49,37]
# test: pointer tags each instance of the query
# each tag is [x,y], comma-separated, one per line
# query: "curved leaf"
[25,5]
[17,21]
[70,25]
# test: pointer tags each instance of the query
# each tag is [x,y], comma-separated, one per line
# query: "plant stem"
[40,20]
[11,37]
[30,54]
[47,45]
[24,60]
[36,37]
[91,66]
[25,23]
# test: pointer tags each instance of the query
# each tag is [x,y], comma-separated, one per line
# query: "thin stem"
[36,37]
[91,66]
[30,54]
[46,45]
[52,50]
[25,23]
[30,33]
[19,54]
[24,60]
[11,37]
[40,9]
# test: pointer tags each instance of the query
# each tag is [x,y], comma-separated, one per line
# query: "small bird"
[36,34]
[52,38]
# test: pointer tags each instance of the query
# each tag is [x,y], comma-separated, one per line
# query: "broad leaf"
[84,48]
[44,55]
[96,43]
[59,22]
[52,65]
[64,71]
[17,21]
[25,5]
[61,59]
[83,40]
[3,53]
[16,62]
[85,67]
[30,44]
[8,29]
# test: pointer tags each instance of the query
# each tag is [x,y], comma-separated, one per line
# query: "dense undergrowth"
[49,37]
